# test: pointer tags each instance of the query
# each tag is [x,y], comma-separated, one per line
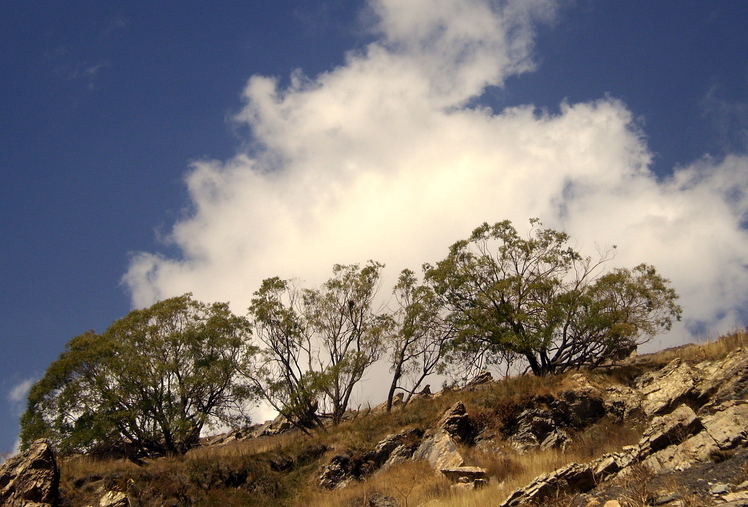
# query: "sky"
[149,149]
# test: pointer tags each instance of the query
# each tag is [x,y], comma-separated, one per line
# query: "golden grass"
[203,474]
[709,350]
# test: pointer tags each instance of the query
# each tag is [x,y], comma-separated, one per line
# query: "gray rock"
[440,451]
[572,478]
[456,422]
[464,474]
[557,439]
[30,479]
[404,442]
[114,499]
[669,429]
[719,489]
[482,378]
[728,427]
[337,473]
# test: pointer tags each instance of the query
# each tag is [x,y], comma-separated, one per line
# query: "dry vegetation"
[240,473]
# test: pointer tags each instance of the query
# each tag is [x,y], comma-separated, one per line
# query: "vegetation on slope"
[247,472]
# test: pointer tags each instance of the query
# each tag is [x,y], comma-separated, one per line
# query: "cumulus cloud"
[388,157]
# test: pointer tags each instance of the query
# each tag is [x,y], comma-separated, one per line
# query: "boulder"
[581,407]
[572,478]
[338,472]
[404,443]
[728,426]
[622,403]
[31,479]
[464,474]
[348,466]
[532,428]
[440,451]
[114,499]
[456,422]
[725,380]
[665,389]
[482,378]
[668,430]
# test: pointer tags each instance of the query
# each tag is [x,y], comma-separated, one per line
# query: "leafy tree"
[283,373]
[154,379]
[348,329]
[317,343]
[420,337]
[538,299]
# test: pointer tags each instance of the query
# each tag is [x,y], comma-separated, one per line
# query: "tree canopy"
[539,300]
[316,344]
[154,379]
[419,337]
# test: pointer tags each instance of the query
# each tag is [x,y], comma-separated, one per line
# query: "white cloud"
[382,158]
[18,392]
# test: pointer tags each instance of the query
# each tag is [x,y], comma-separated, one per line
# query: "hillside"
[659,429]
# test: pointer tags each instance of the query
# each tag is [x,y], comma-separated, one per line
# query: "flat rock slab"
[464,473]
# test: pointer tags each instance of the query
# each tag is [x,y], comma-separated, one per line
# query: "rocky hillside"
[663,429]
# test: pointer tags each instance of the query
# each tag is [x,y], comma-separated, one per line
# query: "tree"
[283,373]
[538,299]
[420,336]
[317,343]
[349,330]
[154,379]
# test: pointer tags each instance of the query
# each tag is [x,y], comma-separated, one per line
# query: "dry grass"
[709,350]
[239,473]
[410,483]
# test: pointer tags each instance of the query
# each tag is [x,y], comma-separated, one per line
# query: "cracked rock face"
[31,479]
[695,413]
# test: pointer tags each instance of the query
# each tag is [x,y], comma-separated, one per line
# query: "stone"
[400,454]
[728,427]
[736,497]
[337,473]
[612,503]
[581,407]
[533,426]
[697,449]
[310,454]
[666,499]
[30,479]
[114,499]
[719,489]
[464,474]
[668,387]
[440,451]
[482,378]
[669,429]
[557,439]
[572,478]
[622,403]
[346,467]
[281,463]
[456,422]
[384,449]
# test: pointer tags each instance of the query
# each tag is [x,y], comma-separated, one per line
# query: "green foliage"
[154,379]
[538,300]
[317,343]
[420,335]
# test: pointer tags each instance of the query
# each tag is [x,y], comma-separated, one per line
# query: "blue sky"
[148,149]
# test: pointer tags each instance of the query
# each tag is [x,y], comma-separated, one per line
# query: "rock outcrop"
[31,479]
[544,421]
[349,466]
[698,415]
